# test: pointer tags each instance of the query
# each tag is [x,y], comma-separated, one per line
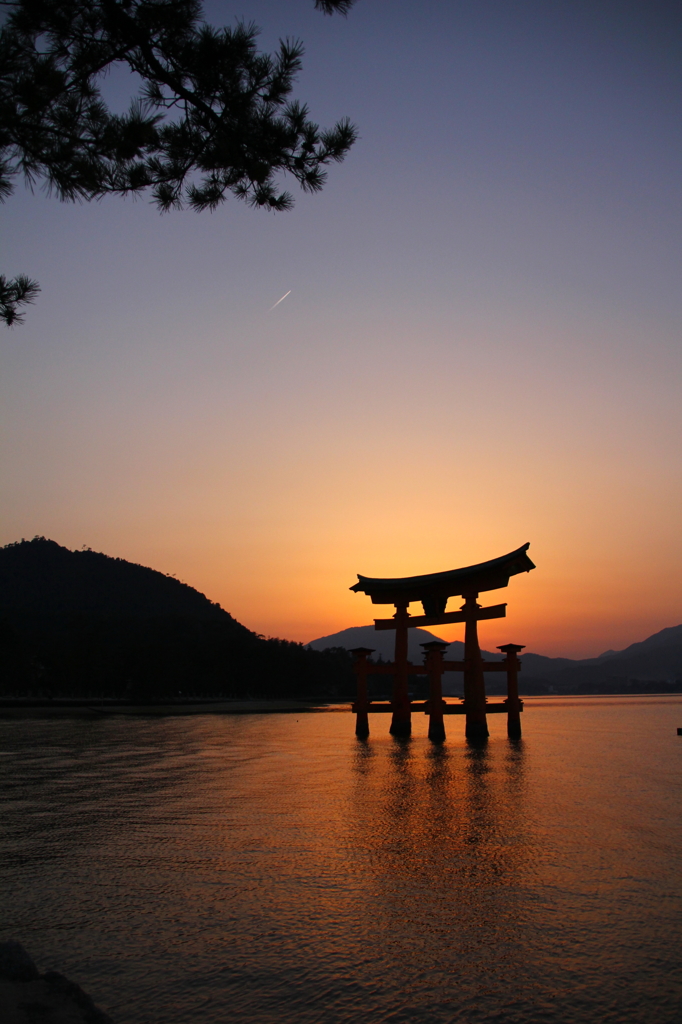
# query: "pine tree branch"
[236,132]
[17,292]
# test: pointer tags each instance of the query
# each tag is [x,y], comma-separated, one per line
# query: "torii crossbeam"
[433,591]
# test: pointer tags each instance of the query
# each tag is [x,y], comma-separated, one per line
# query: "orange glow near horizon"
[277,533]
[295,583]
[273,518]
[282,560]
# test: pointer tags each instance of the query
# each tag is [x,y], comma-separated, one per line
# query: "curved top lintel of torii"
[435,588]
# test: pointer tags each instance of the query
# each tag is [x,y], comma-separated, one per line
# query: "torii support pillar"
[434,651]
[401,720]
[513,665]
[361,706]
[474,683]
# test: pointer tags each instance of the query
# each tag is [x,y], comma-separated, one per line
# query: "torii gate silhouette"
[433,591]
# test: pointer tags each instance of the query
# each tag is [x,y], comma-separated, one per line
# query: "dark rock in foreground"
[27,996]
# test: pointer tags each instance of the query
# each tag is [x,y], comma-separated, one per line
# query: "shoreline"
[92,709]
[26,708]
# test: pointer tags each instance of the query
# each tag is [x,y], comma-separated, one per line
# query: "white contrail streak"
[279,300]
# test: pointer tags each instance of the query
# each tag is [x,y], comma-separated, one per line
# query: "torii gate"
[433,591]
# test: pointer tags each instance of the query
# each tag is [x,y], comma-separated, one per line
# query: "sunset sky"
[481,346]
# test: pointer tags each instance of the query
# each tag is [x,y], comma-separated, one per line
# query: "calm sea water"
[272,868]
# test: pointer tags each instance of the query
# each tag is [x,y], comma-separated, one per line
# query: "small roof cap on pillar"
[510,648]
[362,650]
[435,645]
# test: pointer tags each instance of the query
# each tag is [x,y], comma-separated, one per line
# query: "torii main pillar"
[401,719]
[474,682]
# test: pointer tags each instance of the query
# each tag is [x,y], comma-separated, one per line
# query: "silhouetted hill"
[79,623]
[42,578]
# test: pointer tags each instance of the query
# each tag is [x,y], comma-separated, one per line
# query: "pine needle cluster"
[213,116]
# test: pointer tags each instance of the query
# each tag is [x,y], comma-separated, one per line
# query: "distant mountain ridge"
[382,643]
[646,665]
[656,661]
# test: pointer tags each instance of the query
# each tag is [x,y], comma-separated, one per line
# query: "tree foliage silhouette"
[13,294]
[213,116]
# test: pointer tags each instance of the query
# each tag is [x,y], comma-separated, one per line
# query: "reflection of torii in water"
[433,591]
